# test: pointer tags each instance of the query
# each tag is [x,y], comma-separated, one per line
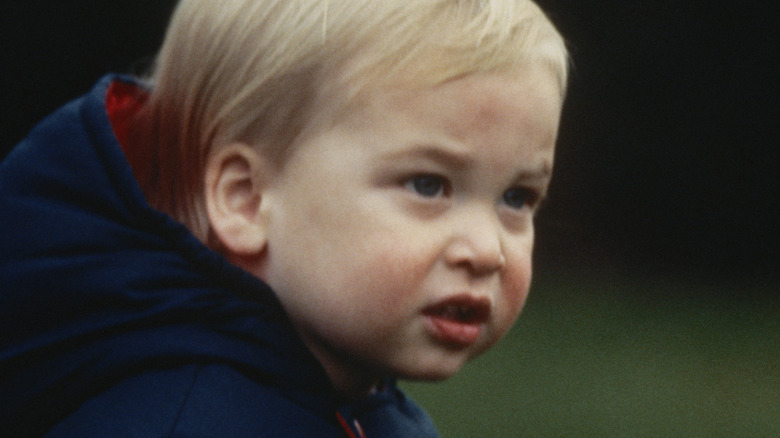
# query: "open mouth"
[464,313]
[458,320]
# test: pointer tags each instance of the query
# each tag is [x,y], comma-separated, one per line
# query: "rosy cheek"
[516,284]
[389,277]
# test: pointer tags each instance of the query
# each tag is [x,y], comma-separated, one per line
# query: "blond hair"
[252,71]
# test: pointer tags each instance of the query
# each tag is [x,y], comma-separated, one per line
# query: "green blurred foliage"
[611,356]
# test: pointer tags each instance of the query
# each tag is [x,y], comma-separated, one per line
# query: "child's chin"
[430,365]
[429,377]
[433,374]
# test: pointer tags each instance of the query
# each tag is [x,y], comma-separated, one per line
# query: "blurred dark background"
[667,156]
[668,152]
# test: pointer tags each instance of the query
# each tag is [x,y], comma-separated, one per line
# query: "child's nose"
[477,243]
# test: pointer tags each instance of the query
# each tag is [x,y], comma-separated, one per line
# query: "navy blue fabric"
[116,321]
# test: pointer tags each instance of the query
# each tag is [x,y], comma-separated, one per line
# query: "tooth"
[457,312]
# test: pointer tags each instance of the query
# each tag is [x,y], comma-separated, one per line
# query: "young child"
[308,200]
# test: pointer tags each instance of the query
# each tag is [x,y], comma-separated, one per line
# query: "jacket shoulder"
[194,401]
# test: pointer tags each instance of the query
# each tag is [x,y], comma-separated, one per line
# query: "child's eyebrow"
[542,173]
[448,156]
[457,160]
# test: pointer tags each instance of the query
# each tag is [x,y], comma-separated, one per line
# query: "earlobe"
[235,180]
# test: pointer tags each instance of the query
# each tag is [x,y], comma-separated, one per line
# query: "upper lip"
[464,308]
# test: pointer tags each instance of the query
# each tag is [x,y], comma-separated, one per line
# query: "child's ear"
[236,178]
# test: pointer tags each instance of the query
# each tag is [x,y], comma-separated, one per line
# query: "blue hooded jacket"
[116,321]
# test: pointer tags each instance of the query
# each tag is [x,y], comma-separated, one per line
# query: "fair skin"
[399,238]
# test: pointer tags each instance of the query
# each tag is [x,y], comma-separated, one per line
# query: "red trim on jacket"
[348,430]
[123,101]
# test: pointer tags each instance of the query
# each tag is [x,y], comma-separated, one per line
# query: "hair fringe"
[256,70]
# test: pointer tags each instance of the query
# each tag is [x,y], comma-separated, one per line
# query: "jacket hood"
[95,284]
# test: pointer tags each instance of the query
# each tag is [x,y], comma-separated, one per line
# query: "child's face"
[400,239]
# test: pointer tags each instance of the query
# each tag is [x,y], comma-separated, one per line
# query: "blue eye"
[518,197]
[429,186]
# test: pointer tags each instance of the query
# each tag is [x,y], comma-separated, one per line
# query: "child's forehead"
[481,95]
[486,109]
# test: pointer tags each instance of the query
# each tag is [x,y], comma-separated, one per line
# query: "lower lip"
[452,332]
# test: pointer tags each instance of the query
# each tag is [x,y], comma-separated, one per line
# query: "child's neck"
[348,377]
[352,384]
